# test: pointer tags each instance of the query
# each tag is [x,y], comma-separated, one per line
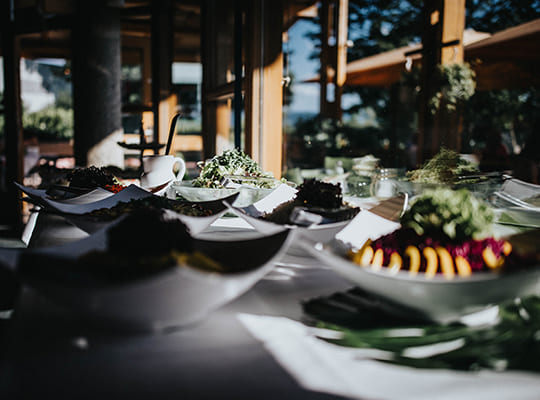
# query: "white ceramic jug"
[159,170]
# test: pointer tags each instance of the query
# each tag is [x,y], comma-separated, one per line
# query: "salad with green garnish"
[236,166]
[454,213]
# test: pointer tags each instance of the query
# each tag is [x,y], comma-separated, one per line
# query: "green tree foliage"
[376,26]
[510,111]
[54,122]
[496,15]
[49,124]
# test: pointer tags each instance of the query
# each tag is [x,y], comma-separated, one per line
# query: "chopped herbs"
[445,167]
[155,202]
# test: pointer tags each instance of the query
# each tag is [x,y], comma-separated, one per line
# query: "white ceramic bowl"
[322,233]
[247,194]
[174,297]
[437,299]
[94,200]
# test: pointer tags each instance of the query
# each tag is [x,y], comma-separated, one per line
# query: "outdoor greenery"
[456,85]
[49,124]
[54,122]
[377,26]
[377,122]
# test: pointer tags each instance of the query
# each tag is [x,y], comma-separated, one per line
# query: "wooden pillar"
[163,105]
[11,206]
[96,83]
[326,79]
[334,25]
[450,124]
[443,23]
[263,86]
[209,108]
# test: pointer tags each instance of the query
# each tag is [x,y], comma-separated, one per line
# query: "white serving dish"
[247,194]
[88,202]
[437,299]
[317,232]
[175,297]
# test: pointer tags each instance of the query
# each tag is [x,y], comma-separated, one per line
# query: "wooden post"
[325,80]
[443,22]
[96,84]
[263,89]
[12,208]
[163,105]
[209,108]
[334,25]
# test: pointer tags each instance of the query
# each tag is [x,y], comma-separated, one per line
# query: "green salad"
[236,166]
[454,213]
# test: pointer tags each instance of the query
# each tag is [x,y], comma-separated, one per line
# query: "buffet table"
[259,346]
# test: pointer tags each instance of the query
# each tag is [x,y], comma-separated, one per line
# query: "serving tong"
[486,175]
[508,198]
[231,181]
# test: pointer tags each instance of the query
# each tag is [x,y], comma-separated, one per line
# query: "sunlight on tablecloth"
[321,366]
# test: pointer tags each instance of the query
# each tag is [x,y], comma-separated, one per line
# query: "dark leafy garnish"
[158,202]
[314,193]
[148,232]
[511,342]
[141,244]
[91,177]
[316,197]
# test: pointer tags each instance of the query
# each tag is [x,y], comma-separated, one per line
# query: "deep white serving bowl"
[437,299]
[320,232]
[93,200]
[247,194]
[175,297]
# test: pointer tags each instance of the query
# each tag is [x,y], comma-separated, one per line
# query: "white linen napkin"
[364,226]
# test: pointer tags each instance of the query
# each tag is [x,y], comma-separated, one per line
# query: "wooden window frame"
[261,86]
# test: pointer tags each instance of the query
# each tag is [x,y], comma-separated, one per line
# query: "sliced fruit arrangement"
[444,232]
[404,250]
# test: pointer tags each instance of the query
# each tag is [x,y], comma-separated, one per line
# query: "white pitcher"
[160,170]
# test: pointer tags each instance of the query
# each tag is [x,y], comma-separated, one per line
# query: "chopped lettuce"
[233,163]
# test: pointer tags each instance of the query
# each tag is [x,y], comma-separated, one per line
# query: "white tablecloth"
[256,347]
